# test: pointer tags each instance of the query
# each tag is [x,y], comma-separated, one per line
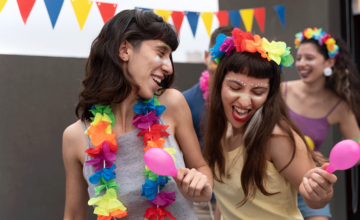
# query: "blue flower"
[106,173]
[143,107]
[150,188]
[216,53]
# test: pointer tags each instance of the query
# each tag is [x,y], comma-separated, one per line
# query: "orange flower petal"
[116,214]
[98,128]
[155,144]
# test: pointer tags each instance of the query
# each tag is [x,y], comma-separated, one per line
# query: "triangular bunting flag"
[193,18]
[2,4]
[177,17]
[107,10]
[223,18]
[280,10]
[259,14]
[81,9]
[235,18]
[53,7]
[165,14]
[25,7]
[145,9]
[247,16]
[207,18]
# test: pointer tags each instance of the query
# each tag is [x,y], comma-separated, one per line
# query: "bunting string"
[107,10]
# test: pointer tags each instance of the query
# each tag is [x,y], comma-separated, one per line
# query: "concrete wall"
[38,97]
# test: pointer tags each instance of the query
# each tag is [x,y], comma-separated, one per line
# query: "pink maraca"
[160,162]
[344,155]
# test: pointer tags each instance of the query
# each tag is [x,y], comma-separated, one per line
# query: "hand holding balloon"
[318,184]
[317,187]
[192,184]
[344,155]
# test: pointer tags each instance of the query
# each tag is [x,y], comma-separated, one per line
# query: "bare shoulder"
[174,100]
[74,141]
[341,111]
[289,86]
[292,85]
[342,107]
[281,141]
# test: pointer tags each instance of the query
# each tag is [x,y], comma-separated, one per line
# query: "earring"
[328,71]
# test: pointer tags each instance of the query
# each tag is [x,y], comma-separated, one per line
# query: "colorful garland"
[204,81]
[322,37]
[108,206]
[246,42]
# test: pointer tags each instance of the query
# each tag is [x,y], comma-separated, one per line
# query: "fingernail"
[304,178]
[318,170]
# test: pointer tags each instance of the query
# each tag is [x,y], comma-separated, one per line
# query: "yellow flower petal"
[97,119]
[108,129]
[106,118]
[308,33]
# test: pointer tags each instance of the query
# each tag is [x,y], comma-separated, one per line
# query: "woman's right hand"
[318,185]
[193,185]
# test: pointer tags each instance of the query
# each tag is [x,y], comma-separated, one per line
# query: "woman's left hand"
[318,184]
[193,185]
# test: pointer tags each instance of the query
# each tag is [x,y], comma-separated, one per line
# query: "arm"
[76,194]
[348,124]
[315,187]
[217,213]
[195,184]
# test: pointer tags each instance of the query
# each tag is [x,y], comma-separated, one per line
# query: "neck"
[316,88]
[124,112]
[235,132]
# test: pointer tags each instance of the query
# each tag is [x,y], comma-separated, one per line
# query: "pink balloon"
[160,162]
[344,155]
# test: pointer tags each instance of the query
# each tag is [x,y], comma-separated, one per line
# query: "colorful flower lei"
[322,37]
[246,42]
[100,133]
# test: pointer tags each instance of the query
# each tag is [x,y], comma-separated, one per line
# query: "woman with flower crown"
[327,94]
[129,62]
[258,157]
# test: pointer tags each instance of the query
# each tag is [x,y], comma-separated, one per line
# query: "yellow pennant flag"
[207,18]
[247,16]
[82,9]
[2,4]
[163,13]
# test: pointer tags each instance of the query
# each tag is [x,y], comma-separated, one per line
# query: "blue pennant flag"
[145,9]
[53,8]
[280,10]
[193,18]
[235,18]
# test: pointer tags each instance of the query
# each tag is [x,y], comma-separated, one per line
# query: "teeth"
[304,72]
[157,79]
[240,110]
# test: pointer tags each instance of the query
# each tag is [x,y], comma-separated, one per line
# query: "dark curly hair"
[105,81]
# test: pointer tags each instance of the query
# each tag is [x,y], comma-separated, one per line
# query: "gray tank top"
[130,167]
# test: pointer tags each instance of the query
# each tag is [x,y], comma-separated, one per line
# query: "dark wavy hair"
[257,131]
[105,81]
[344,81]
